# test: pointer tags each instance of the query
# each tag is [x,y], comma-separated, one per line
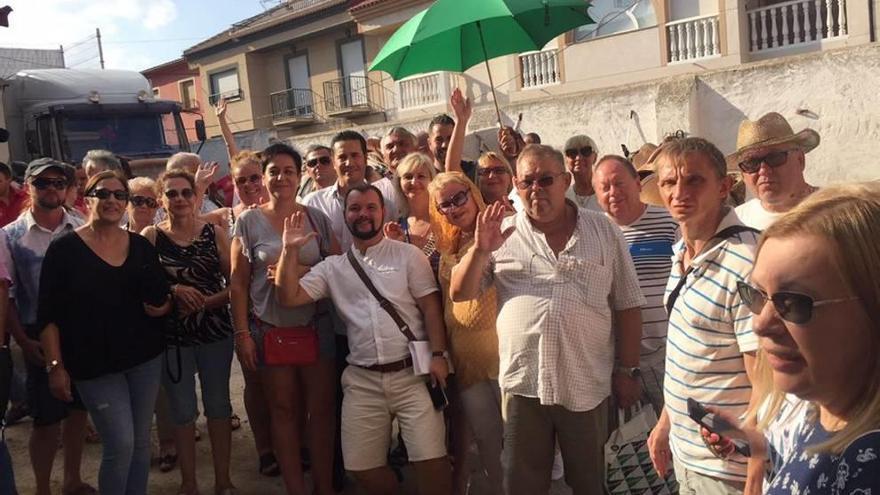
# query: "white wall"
[684,9]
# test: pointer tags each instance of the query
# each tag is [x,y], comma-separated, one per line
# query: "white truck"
[63,113]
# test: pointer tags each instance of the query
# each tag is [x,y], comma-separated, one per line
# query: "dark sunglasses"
[772,160]
[323,160]
[457,200]
[253,179]
[102,194]
[489,171]
[43,183]
[791,306]
[144,200]
[574,152]
[542,182]
[174,193]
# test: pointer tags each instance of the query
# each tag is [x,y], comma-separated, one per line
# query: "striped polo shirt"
[650,239]
[709,330]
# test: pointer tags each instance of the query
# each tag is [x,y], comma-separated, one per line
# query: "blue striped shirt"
[709,330]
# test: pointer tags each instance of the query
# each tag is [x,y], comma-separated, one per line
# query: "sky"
[135,34]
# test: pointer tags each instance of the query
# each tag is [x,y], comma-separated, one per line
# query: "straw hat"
[769,130]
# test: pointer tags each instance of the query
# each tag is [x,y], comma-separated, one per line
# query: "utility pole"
[100,48]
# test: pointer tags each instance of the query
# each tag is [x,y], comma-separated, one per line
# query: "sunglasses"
[489,171]
[253,179]
[542,182]
[102,194]
[144,200]
[574,152]
[174,193]
[791,306]
[323,160]
[43,183]
[772,160]
[456,201]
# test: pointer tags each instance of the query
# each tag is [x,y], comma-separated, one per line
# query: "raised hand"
[205,175]
[507,141]
[488,236]
[462,107]
[393,231]
[294,234]
[220,108]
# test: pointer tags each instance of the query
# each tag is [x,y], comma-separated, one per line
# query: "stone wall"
[833,92]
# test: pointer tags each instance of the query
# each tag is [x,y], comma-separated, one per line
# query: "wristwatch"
[53,364]
[634,372]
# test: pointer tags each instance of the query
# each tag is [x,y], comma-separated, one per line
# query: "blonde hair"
[142,182]
[846,217]
[448,235]
[245,157]
[410,163]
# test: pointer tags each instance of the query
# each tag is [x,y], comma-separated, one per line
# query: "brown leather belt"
[389,367]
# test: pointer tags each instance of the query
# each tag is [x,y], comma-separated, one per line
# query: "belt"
[389,367]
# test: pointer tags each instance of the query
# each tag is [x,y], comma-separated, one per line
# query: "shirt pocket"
[591,280]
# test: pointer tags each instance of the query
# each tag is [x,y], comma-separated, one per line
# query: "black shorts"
[45,408]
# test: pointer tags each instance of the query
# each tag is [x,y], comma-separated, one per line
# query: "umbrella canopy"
[455,35]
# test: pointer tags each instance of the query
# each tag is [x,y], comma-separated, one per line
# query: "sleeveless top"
[429,249]
[196,265]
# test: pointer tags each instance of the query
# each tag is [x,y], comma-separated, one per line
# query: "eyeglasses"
[791,306]
[174,193]
[489,171]
[253,179]
[772,160]
[43,183]
[542,182]
[456,201]
[144,200]
[574,152]
[102,194]
[323,160]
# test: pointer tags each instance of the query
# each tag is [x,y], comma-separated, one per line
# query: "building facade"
[176,81]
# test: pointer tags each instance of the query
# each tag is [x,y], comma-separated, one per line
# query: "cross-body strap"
[383,303]
[716,239]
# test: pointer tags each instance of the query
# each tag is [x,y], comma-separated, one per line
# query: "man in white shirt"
[772,159]
[649,232]
[562,275]
[580,155]
[380,383]
[349,154]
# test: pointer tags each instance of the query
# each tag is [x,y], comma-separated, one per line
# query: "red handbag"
[290,346]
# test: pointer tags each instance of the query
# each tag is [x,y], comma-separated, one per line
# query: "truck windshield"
[130,134]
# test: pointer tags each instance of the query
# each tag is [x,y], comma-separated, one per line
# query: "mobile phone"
[438,395]
[719,426]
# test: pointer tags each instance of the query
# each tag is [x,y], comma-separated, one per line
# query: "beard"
[361,234]
[50,203]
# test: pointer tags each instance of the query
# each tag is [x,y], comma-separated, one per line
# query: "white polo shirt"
[401,273]
[331,203]
[709,330]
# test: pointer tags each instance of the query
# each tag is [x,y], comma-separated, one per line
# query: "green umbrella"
[455,35]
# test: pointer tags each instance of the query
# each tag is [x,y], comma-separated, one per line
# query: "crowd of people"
[387,299]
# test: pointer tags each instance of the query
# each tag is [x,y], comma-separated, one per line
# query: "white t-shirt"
[587,202]
[752,214]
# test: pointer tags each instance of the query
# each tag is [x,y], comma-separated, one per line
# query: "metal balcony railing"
[349,94]
[292,104]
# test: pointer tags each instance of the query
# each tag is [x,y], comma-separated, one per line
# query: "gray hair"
[626,164]
[141,182]
[541,152]
[401,131]
[104,158]
[580,141]
[182,160]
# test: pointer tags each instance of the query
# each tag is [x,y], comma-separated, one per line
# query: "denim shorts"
[212,362]
[326,341]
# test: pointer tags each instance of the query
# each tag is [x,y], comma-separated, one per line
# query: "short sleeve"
[5,258]
[241,230]
[315,282]
[419,275]
[625,290]
[324,228]
[155,284]
[52,278]
[739,312]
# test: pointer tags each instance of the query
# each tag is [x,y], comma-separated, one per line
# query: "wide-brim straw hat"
[769,130]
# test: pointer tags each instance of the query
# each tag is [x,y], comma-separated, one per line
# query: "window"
[616,16]
[224,84]
[188,95]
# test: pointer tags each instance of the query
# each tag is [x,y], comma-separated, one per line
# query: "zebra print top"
[196,265]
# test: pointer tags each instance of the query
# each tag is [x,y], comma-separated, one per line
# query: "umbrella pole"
[489,70]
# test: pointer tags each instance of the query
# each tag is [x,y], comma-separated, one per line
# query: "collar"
[524,224]
[371,249]
[30,222]
[729,219]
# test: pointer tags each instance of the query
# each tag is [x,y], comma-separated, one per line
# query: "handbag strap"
[383,302]
[716,239]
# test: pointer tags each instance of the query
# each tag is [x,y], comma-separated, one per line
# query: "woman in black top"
[195,255]
[111,349]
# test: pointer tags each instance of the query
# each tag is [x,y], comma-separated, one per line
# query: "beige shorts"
[371,400]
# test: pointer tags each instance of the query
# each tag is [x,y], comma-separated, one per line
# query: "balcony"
[423,91]
[692,39]
[350,96]
[539,69]
[796,23]
[292,106]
